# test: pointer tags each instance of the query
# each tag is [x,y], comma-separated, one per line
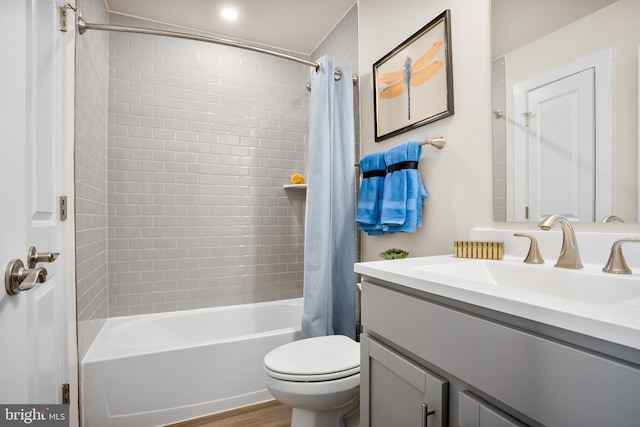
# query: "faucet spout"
[569,254]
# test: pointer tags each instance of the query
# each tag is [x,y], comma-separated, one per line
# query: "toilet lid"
[319,358]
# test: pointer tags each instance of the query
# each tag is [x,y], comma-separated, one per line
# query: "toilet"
[319,378]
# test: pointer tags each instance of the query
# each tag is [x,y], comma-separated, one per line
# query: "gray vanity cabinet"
[487,369]
[473,412]
[417,394]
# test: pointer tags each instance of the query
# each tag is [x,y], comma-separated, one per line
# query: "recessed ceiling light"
[229,13]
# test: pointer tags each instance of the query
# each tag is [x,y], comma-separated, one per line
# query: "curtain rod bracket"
[82,25]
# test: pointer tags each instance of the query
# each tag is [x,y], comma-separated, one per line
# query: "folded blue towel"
[404,191]
[373,170]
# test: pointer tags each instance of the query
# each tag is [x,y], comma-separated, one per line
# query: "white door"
[558,165]
[34,353]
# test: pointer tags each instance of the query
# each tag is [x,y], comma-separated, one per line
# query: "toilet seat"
[314,359]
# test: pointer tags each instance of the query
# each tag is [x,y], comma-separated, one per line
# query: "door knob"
[18,279]
[34,257]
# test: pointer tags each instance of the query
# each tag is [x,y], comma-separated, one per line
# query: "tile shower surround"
[201,139]
[145,80]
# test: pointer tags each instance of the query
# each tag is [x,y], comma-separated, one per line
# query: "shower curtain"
[329,249]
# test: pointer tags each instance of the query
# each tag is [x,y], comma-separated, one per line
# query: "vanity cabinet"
[417,394]
[480,368]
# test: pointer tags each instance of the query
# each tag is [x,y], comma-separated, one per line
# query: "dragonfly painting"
[414,73]
[413,84]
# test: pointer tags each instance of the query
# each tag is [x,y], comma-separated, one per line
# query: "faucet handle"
[616,263]
[533,257]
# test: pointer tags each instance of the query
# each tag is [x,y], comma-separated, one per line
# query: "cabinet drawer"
[473,412]
[542,379]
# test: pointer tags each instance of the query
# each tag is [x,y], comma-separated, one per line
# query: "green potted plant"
[394,253]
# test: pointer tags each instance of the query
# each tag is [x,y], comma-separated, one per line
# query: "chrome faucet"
[617,263]
[569,254]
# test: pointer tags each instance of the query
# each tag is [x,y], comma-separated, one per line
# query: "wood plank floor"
[268,414]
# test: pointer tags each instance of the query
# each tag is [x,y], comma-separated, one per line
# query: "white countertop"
[610,320]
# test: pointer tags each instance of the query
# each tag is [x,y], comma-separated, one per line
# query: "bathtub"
[157,369]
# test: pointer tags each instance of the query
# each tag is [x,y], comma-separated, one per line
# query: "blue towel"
[404,191]
[373,170]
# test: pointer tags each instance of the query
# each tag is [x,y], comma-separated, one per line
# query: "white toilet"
[319,378]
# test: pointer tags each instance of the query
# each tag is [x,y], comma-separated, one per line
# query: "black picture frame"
[412,93]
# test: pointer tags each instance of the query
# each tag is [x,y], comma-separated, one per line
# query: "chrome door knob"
[18,279]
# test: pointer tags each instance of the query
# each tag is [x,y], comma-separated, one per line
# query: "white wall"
[457,177]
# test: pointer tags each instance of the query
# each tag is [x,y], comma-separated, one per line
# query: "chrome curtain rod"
[84,26]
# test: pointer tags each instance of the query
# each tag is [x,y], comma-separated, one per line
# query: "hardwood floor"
[268,414]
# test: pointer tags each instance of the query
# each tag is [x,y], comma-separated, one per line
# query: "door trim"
[68,238]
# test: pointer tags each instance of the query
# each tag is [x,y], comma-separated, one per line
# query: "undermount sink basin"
[579,285]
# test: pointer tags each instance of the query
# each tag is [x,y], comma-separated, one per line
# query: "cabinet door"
[472,412]
[397,392]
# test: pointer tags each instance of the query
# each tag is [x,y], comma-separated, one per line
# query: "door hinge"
[66,394]
[526,212]
[63,208]
[63,16]
[526,118]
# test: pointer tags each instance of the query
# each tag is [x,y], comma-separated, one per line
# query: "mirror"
[538,43]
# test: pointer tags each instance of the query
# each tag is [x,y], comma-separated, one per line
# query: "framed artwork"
[413,84]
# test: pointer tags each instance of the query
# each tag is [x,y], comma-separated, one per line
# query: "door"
[397,392]
[34,148]
[557,167]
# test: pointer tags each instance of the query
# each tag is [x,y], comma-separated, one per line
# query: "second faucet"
[569,254]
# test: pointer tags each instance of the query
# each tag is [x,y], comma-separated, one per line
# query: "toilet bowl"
[319,378]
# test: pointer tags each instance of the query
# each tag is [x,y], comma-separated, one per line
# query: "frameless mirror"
[565,109]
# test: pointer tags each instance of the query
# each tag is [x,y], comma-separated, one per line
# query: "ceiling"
[300,25]
[293,25]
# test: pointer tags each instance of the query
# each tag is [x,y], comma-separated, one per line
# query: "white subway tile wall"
[201,140]
[499,138]
[91,175]
[184,185]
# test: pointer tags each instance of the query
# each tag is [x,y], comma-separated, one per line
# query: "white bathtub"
[158,369]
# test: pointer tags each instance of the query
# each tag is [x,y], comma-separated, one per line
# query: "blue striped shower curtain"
[329,249]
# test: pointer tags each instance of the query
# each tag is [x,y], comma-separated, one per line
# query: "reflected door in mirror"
[555,149]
